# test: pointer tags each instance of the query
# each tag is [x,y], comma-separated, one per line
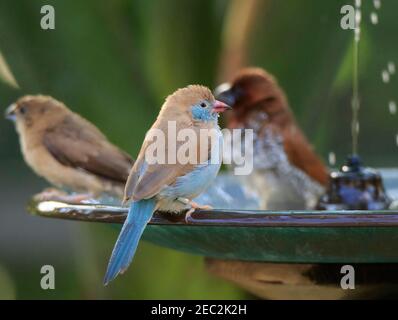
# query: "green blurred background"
[114,62]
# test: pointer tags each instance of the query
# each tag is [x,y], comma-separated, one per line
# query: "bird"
[170,186]
[67,150]
[287,170]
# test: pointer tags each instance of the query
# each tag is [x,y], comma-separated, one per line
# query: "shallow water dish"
[315,237]
[289,236]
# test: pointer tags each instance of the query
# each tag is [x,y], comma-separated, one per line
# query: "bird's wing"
[153,179]
[297,147]
[302,155]
[146,180]
[77,143]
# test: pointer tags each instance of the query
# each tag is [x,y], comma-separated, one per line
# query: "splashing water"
[392,106]
[385,76]
[374,18]
[355,90]
[391,68]
[358,19]
[332,158]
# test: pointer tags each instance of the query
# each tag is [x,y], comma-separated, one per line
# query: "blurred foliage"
[5,73]
[115,61]
[7,290]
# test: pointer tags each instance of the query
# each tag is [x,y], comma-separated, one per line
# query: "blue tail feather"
[140,213]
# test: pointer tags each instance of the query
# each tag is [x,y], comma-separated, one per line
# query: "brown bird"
[66,149]
[284,161]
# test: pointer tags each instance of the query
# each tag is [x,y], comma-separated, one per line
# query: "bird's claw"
[195,206]
[189,214]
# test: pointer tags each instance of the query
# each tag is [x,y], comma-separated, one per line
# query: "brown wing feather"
[271,99]
[301,154]
[146,180]
[77,143]
[158,176]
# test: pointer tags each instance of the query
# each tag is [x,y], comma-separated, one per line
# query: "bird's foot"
[195,206]
[52,194]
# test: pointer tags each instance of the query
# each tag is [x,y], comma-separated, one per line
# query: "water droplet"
[357,127]
[392,106]
[332,158]
[377,4]
[357,32]
[358,18]
[385,76]
[355,104]
[374,18]
[391,67]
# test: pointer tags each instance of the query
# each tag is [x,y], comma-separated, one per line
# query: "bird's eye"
[203,105]
[22,110]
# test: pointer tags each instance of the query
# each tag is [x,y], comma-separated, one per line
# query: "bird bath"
[320,240]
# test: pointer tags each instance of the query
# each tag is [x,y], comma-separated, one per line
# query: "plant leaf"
[6,74]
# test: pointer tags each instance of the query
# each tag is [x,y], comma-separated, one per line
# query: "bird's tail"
[139,215]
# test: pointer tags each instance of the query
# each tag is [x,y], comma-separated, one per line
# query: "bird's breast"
[199,179]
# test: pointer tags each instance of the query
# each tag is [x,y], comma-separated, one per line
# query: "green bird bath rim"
[286,237]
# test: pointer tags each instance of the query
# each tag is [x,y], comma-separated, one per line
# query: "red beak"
[219,106]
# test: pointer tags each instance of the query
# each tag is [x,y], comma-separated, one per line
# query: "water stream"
[355,80]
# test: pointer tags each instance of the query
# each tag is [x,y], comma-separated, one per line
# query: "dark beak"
[227,94]
[219,107]
[10,112]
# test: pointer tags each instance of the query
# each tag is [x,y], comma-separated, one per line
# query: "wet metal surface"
[113,214]
[269,236]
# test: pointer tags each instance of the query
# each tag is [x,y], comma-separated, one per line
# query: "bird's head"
[31,111]
[251,90]
[196,102]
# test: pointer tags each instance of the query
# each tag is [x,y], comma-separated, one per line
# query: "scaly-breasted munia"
[288,172]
